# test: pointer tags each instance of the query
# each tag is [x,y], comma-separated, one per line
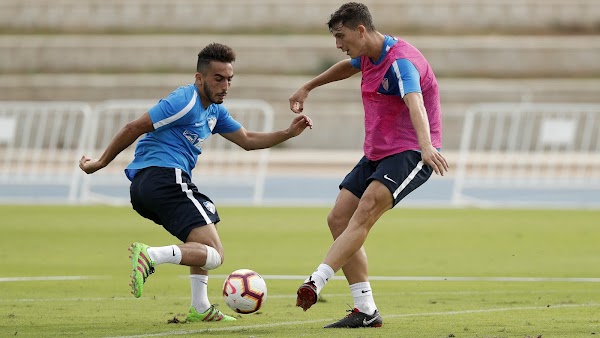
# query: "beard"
[212,97]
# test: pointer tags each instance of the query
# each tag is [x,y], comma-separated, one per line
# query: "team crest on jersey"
[209,206]
[194,139]
[211,123]
[385,84]
[190,136]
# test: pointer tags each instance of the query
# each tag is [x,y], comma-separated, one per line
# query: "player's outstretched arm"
[339,71]
[251,140]
[123,139]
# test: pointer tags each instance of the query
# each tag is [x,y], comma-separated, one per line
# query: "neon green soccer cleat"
[142,267]
[211,315]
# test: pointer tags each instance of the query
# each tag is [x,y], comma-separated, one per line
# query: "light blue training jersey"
[181,124]
[401,78]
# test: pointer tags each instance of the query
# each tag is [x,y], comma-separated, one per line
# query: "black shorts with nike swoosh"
[168,197]
[400,173]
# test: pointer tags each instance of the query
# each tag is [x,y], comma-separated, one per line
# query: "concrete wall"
[450,56]
[202,16]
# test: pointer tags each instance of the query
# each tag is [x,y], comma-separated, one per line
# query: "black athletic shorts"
[400,173]
[169,198]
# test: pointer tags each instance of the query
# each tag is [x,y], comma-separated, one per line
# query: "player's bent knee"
[336,225]
[213,259]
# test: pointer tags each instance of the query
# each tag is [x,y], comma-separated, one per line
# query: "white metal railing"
[38,145]
[507,152]
[525,147]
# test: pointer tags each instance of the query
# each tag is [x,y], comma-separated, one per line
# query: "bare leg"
[375,201]
[193,254]
[356,270]
[373,204]
[347,249]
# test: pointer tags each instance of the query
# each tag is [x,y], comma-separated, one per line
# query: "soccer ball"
[245,291]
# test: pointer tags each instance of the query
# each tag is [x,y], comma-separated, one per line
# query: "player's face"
[350,41]
[213,85]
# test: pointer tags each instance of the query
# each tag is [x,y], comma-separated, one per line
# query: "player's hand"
[435,160]
[297,100]
[299,123]
[88,165]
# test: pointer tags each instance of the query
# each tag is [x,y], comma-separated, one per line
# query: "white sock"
[363,297]
[199,292]
[165,254]
[321,276]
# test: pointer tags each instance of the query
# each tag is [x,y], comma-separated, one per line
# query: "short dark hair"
[351,15]
[214,52]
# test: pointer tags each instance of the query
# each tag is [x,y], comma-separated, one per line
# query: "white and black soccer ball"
[245,291]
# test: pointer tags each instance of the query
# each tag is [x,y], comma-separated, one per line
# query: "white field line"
[442,279]
[372,278]
[293,296]
[50,278]
[403,315]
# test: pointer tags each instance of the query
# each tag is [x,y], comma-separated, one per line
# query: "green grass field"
[557,250]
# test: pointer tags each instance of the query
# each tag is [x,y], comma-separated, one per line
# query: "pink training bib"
[388,127]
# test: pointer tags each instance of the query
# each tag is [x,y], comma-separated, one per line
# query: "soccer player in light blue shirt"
[161,187]
[181,124]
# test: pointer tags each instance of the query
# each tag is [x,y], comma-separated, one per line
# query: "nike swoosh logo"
[368,322]
[365,291]
[389,179]
[228,285]
[173,251]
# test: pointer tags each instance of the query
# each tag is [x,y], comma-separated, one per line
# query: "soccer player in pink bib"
[403,135]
